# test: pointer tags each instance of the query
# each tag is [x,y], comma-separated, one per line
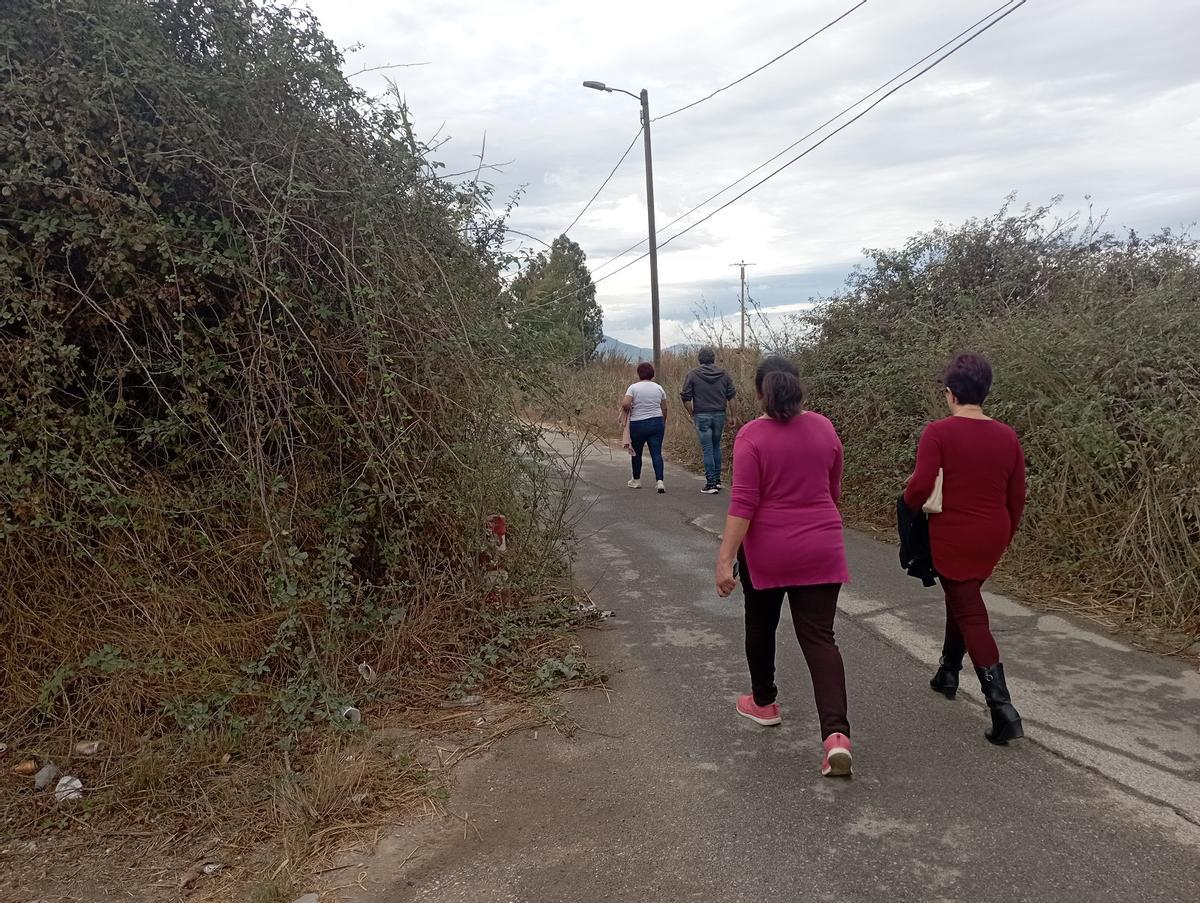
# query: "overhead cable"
[769,62]
[814,131]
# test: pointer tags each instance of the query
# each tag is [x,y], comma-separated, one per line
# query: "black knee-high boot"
[1006,722]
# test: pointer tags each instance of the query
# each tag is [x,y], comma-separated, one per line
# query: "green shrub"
[257,394]
[1093,340]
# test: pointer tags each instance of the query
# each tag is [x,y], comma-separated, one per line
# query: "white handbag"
[933,504]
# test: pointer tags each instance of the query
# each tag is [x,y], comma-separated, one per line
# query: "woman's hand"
[725,579]
[731,541]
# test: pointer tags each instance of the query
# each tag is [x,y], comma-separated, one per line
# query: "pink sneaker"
[837,756]
[765,715]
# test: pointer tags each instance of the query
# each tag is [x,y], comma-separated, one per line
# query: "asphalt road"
[664,794]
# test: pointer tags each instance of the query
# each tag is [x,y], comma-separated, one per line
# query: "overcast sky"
[1078,98]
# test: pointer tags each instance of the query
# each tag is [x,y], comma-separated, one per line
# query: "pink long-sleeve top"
[787,478]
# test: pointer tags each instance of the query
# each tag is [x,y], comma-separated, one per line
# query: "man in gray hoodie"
[706,394]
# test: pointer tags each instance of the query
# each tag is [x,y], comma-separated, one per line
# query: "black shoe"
[1006,721]
[945,680]
[709,489]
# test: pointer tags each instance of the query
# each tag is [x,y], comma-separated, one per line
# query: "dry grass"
[274,819]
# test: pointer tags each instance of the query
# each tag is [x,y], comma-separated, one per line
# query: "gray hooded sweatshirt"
[708,388]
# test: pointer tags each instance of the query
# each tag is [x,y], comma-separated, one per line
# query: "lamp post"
[644,98]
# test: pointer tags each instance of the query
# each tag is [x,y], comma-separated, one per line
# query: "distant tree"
[554,310]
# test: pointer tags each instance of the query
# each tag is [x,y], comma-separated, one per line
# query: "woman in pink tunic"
[783,517]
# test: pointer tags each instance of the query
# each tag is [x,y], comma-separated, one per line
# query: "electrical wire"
[812,132]
[604,184]
[995,20]
[845,124]
[770,62]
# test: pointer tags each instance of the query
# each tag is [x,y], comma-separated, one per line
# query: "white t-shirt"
[647,398]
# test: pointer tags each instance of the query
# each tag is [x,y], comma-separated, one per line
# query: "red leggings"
[967,622]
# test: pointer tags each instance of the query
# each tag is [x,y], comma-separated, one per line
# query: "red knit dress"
[983,493]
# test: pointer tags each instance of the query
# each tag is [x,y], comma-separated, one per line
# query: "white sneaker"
[634,484]
[660,487]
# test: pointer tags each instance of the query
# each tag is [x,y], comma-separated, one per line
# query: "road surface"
[666,795]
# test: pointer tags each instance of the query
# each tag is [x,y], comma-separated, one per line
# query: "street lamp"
[645,101]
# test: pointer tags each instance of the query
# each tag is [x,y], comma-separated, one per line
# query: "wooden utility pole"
[741,265]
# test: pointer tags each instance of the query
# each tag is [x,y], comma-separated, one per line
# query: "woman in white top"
[646,404]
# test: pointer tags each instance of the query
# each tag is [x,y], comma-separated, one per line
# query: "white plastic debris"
[307,898]
[367,672]
[88,747]
[351,714]
[68,788]
[45,777]
[202,869]
[462,703]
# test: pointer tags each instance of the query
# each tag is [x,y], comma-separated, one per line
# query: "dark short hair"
[778,382]
[969,377]
[645,370]
[706,355]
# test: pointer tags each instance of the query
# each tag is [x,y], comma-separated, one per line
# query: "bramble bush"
[258,393]
[1093,340]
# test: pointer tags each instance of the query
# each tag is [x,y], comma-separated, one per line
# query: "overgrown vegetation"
[259,395]
[1093,339]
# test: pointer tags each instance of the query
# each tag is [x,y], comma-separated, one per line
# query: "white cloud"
[1081,98]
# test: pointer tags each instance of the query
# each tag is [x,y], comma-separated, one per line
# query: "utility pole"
[644,99]
[741,265]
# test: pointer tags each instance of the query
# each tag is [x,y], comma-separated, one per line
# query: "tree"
[554,309]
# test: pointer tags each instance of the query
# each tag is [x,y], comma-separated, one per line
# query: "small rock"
[308,898]
[351,714]
[462,703]
[87,747]
[68,788]
[26,767]
[45,777]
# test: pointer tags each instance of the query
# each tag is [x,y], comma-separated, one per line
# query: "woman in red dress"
[983,496]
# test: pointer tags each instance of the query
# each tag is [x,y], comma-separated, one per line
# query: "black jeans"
[813,611]
[648,432]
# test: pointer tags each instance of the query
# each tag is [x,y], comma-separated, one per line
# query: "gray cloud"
[1078,98]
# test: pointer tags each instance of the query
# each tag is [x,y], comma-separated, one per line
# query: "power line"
[814,131]
[807,151]
[846,124]
[604,183]
[770,62]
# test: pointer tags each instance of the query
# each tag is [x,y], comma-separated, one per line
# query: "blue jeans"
[709,427]
[648,432]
